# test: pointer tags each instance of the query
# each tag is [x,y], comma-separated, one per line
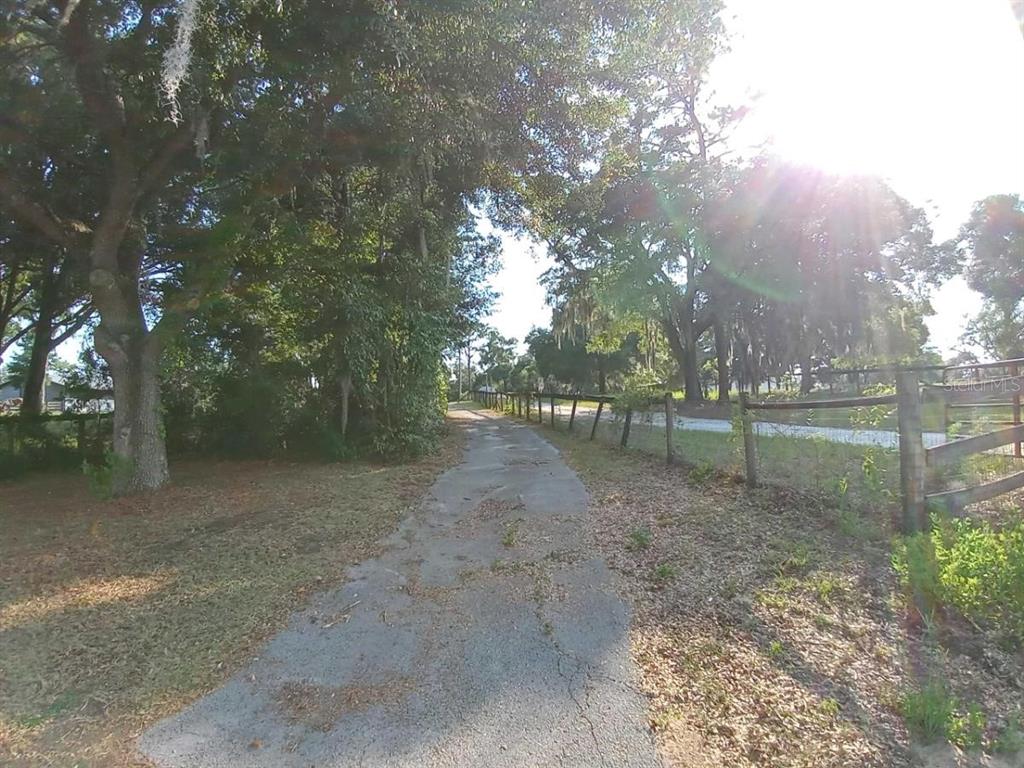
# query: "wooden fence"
[15,429]
[915,459]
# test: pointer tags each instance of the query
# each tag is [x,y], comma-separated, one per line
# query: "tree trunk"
[33,393]
[691,375]
[346,391]
[806,376]
[133,355]
[722,355]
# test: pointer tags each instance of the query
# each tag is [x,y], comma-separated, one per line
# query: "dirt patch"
[494,509]
[319,707]
[771,631]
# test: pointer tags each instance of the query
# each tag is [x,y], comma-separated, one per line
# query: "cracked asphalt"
[484,635]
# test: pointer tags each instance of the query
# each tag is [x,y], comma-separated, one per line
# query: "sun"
[907,89]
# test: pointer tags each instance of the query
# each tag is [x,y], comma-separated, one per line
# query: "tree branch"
[32,213]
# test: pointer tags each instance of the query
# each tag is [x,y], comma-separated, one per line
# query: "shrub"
[981,571]
[971,566]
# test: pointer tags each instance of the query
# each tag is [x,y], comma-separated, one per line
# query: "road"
[485,635]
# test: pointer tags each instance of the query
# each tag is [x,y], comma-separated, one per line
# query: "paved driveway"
[485,635]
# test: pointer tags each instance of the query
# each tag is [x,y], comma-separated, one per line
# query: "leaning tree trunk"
[34,391]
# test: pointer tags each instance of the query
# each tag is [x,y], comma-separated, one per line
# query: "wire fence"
[856,454]
[847,461]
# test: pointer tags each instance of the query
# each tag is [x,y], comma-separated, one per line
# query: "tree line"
[263,215]
[262,212]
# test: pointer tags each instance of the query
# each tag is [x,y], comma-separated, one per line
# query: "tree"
[147,143]
[990,250]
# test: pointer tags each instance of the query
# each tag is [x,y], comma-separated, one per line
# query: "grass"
[115,613]
[663,573]
[639,538]
[932,713]
[508,539]
[856,477]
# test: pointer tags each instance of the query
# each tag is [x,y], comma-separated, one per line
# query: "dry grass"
[115,613]
[773,633]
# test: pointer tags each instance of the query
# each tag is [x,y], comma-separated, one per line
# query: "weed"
[510,535]
[789,558]
[967,730]
[971,566]
[730,587]
[927,711]
[660,721]
[775,649]
[826,588]
[774,600]
[702,473]
[829,707]
[101,476]
[639,538]
[663,573]
[1010,741]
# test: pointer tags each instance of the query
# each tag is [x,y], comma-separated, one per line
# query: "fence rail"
[915,459]
[17,429]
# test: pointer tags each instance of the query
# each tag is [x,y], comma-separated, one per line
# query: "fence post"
[552,410]
[912,456]
[82,447]
[1018,446]
[572,413]
[597,416]
[749,447]
[670,418]
[625,428]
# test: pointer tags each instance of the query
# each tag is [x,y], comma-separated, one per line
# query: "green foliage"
[1011,740]
[971,566]
[702,473]
[640,391]
[927,711]
[663,573]
[102,475]
[968,729]
[639,538]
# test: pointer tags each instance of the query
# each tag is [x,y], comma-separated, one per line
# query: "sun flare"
[902,89]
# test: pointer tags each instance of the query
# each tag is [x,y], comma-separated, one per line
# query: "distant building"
[59,398]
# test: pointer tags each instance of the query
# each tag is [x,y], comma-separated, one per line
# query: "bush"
[981,571]
[971,566]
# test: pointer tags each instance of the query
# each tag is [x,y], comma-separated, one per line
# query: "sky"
[928,94]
